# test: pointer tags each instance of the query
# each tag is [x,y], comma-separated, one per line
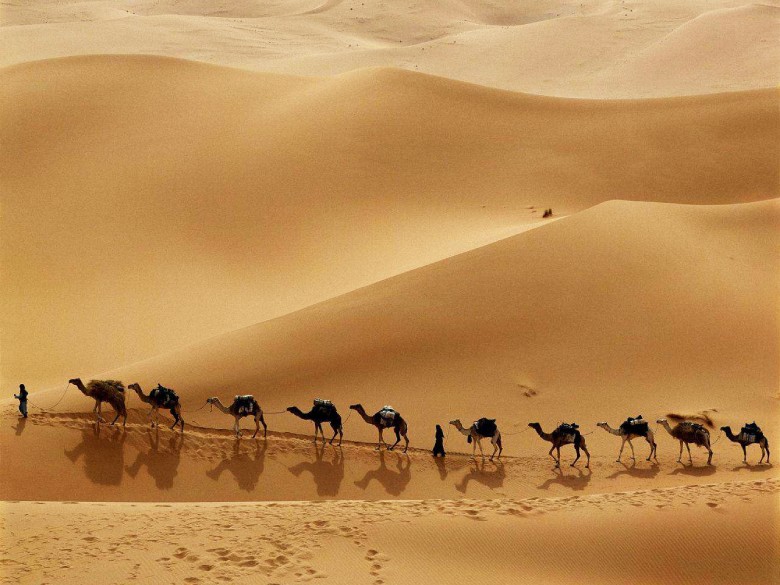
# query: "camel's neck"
[463,431]
[362,412]
[665,425]
[141,395]
[729,435]
[542,434]
[609,429]
[300,414]
[80,386]
[218,403]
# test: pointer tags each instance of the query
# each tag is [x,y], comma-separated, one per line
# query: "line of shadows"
[490,474]
[245,467]
[393,480]
[327,474]
[576,482]
[161,465]
[102,449]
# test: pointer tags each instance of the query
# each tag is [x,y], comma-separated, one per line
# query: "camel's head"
[602,424]
[357,406]
[74,381]
[456,422]
[725,428]
[292,409]
[661,421]
[535,425]
[134,386]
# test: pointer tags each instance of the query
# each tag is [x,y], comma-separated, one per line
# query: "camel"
[242,406]
[322,411]
[381,422]
[745,440]
[687,432]
[475,437]
[559,438]
[101,391]
[632,433]
[160,400]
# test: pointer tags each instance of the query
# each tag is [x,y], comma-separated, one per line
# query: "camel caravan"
[686,432]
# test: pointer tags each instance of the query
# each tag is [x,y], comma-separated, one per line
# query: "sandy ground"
[343,199]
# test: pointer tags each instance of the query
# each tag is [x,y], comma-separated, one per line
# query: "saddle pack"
[751,432]
[486,427]
[635,426]
[245,403]
[387,416]
[326,405]
[165,397]
[570,430]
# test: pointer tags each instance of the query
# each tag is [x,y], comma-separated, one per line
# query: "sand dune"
[653,308]
[613,49]
[198,199]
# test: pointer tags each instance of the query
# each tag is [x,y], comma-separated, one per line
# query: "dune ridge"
[433,168]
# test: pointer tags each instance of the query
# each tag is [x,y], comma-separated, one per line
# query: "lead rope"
[51,408]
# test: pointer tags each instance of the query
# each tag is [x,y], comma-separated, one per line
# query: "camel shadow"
[20,424]
[103,457]
[638,472]
[161,465]
[394,481]
[327,474]
[693,471]
[574,482]
[491,478]
[245,467]
[441,466]
[752,467]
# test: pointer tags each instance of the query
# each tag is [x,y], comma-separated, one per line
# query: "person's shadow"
[574,482]
[491,478]
[161,465]
[246,468]
[394,481]
[327,474]
[20,424]
[103,456]
[638,472]
[441,466]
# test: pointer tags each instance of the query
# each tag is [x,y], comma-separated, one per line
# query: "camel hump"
[387,415]
[636,425]
[322,402]
[486,427]
[751,432]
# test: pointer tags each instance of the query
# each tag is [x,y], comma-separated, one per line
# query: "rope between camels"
[516,432]
[55,404]
[197,409]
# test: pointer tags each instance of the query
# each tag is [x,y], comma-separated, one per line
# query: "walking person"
[22,398]
[438,447]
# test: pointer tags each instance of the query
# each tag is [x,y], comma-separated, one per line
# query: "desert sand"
[345,200]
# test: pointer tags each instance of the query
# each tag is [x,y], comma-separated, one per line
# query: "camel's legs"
[99,410]
[397,440]
[553,456]
[649,439]
[577,451]
[265,426]
[679,459]
[496,440]
[257,426]
[633,455]
[690,459]
[744,453]
[149,416]
[237,428]
[623,444]
[406,439]
[584,448]
[558,459]
[336,431]
[481,452]
[709,454]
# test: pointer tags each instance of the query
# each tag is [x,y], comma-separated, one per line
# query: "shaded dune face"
[182,200]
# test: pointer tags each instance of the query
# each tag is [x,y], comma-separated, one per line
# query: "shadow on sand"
[578,481]
[394,481]
[245,467]
[693,470]
[327,474]
[631,470]
[102,449]
[20,424]
[753,467]
[491,474]
[162,464]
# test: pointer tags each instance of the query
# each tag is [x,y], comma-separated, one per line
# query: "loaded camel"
[745,439]
[688,432]
[244,405]
[481,429]
[101,391]
[160,398]
[628,432]
[563,435]
[323,411]
[385,419]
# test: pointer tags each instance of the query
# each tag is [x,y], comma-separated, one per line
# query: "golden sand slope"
[612,48]
[622,309]
[179,200]
[718,534]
